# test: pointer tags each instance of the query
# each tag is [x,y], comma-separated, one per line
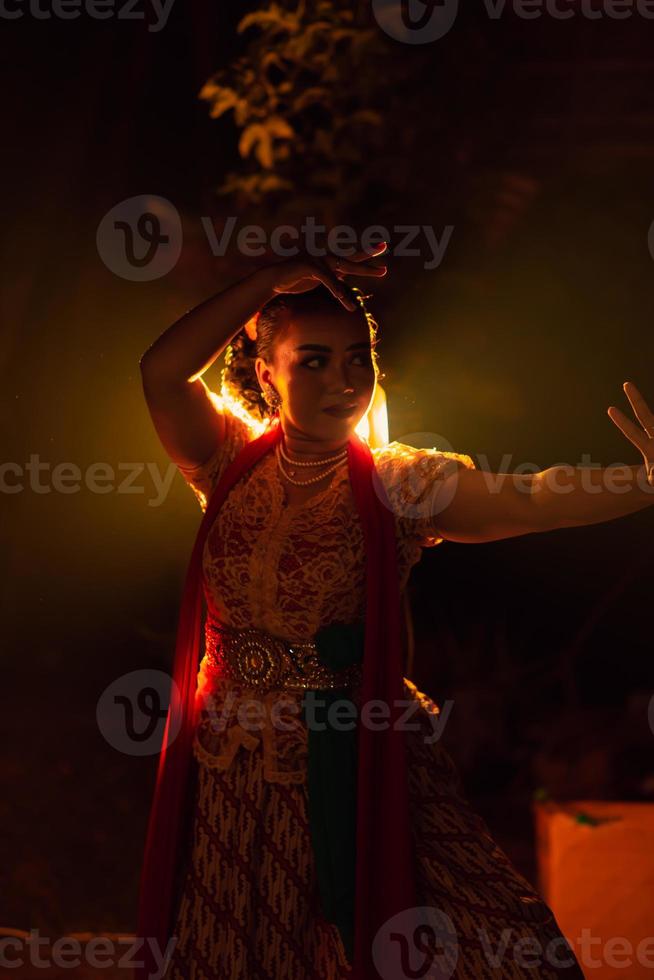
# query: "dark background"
[541,157]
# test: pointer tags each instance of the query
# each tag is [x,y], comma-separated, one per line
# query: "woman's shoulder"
[238,429]
[414,481]
[399,455]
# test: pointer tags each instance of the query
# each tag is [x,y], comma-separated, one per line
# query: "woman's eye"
[363,359]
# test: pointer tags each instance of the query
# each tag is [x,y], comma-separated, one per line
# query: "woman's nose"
[340,382]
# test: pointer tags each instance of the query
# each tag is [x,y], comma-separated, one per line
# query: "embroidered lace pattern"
[289,569]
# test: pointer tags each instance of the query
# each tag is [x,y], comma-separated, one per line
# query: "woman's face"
[316,359]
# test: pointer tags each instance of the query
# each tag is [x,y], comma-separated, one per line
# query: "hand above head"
[304,272]
[642,438]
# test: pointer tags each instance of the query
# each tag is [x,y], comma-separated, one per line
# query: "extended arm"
[492,506]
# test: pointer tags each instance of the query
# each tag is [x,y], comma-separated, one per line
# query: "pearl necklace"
[279,452]
[341,454]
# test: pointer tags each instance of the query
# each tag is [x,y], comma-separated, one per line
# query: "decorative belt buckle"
[254,661]
[262,660]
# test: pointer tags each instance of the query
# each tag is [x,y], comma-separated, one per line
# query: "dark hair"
[239,378]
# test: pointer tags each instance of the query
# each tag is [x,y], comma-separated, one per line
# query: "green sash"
[332,778]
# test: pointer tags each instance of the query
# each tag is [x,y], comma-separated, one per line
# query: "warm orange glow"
[373,427]
[596,865]
[226,402]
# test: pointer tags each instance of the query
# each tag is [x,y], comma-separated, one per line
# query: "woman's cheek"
[305,392]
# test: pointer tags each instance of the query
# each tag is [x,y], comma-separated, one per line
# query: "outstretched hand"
[643,438]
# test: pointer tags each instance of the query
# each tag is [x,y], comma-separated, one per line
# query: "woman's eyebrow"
[364,345]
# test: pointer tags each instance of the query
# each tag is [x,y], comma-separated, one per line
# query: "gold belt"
[263,661]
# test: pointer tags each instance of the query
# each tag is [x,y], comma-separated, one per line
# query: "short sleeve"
[417,486]
[204,478]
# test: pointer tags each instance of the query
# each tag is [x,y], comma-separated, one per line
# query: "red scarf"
[385,882]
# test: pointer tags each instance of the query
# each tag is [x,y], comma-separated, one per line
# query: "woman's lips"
[341,413]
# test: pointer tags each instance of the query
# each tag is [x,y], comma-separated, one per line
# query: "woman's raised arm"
[184,415]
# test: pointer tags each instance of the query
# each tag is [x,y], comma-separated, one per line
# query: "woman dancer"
[298,848]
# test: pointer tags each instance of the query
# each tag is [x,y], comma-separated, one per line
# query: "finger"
[325,275]
[363,256]
[641,409]
[354,269]
[377,250]
[627,427]
[335,287]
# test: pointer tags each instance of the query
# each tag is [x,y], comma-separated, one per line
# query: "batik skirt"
[248,904]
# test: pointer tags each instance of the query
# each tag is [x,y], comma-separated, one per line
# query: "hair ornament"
[251,326]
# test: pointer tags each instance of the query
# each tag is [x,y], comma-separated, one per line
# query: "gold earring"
[271,397]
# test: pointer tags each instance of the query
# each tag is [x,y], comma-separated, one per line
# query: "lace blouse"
[289,569]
